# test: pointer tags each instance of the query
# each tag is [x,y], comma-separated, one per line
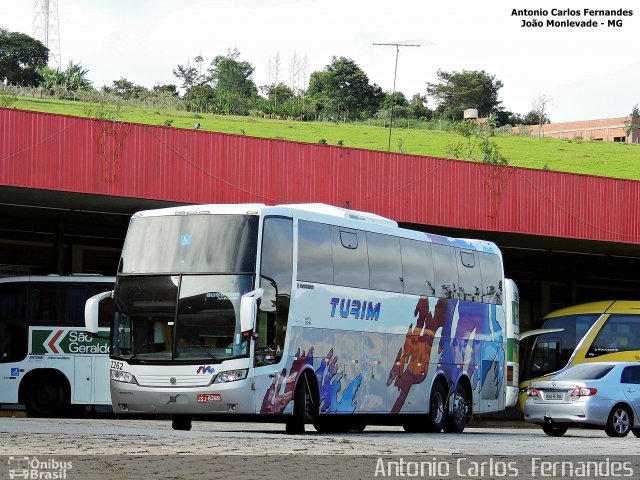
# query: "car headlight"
[124,377]
[231,376]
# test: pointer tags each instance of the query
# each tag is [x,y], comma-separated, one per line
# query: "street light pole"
[395,74]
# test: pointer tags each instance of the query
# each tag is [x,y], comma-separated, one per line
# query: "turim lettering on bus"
[360,310]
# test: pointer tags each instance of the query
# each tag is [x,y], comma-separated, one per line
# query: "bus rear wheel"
[455,421]
[45,398]
[434,421]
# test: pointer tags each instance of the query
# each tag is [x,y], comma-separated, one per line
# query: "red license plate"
[208,397]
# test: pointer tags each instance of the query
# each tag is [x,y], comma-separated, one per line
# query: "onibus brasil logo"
[64,340]
[35,468]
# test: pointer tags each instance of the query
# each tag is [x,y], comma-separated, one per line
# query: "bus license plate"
[208,397]
[553,396]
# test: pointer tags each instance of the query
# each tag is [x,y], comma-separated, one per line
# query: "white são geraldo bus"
[313,313]
[47,359]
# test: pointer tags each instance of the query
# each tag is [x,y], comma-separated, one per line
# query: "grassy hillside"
[595,158]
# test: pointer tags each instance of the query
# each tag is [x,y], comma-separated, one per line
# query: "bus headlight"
[124,377]
[231,376]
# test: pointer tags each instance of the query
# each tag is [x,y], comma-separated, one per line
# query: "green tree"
[478,145]
[75,76]
[279,93]
[229,76]
[199,98]
[128,90]
[342,87]
[71,79]
[166,89]
[21,56]
[457,91]
[418,107]
[188,75]
[534,118]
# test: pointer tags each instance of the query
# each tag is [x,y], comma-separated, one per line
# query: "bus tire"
[338,424]
[301,408]
[46,397]
[456,420]
[181,422]
[434,421]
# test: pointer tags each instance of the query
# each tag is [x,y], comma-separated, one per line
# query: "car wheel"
[554,430]
[455,421]
[636,432]
[435,419]
[619,422]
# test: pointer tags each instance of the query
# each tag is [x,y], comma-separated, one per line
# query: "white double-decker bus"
[48,361]
[308,313]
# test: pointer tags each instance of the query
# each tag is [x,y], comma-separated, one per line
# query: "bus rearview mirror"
[248,309]
[91,311]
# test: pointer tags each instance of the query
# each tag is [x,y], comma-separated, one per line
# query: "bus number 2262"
[115,365]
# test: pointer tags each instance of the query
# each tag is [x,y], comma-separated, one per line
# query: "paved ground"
[131,449]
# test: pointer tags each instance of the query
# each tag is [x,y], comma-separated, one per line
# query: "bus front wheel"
[45,398]
[302,408]
[181,422]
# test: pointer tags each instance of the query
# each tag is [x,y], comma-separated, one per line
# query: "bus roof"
[605,306]
[323,213]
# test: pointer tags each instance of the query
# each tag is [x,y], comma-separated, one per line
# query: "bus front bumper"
[232,397]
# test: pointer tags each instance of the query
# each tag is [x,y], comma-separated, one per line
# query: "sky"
[585,73]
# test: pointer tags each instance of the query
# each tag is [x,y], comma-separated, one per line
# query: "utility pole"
[395,73]
[46,28]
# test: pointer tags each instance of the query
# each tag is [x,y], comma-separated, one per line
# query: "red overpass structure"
[69,184]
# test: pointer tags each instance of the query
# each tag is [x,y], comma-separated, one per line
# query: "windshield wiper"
[206,350]
[138,352]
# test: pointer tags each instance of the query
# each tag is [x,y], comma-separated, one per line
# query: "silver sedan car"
[602,395]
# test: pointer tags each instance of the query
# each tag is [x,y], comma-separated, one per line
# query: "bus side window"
[545,357]
[417,267]
[47,304]
[315,258]
[491,269]
[470,281]
[13,327]
[350,258]
[616,335]
[276,272]
[385,263]
[446,277]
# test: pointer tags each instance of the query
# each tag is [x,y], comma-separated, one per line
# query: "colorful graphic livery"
[48,360]
[311,313]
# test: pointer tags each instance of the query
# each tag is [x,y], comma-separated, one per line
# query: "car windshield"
[584,371]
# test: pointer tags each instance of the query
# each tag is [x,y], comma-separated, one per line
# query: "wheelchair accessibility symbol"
[15,372]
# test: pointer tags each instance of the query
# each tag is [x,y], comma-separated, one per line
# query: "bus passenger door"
[273,380]
[82,379]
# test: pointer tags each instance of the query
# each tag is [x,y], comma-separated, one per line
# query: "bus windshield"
[179,317]
[551,351]
[191,244]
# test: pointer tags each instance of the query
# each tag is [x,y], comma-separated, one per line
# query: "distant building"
[623,130]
